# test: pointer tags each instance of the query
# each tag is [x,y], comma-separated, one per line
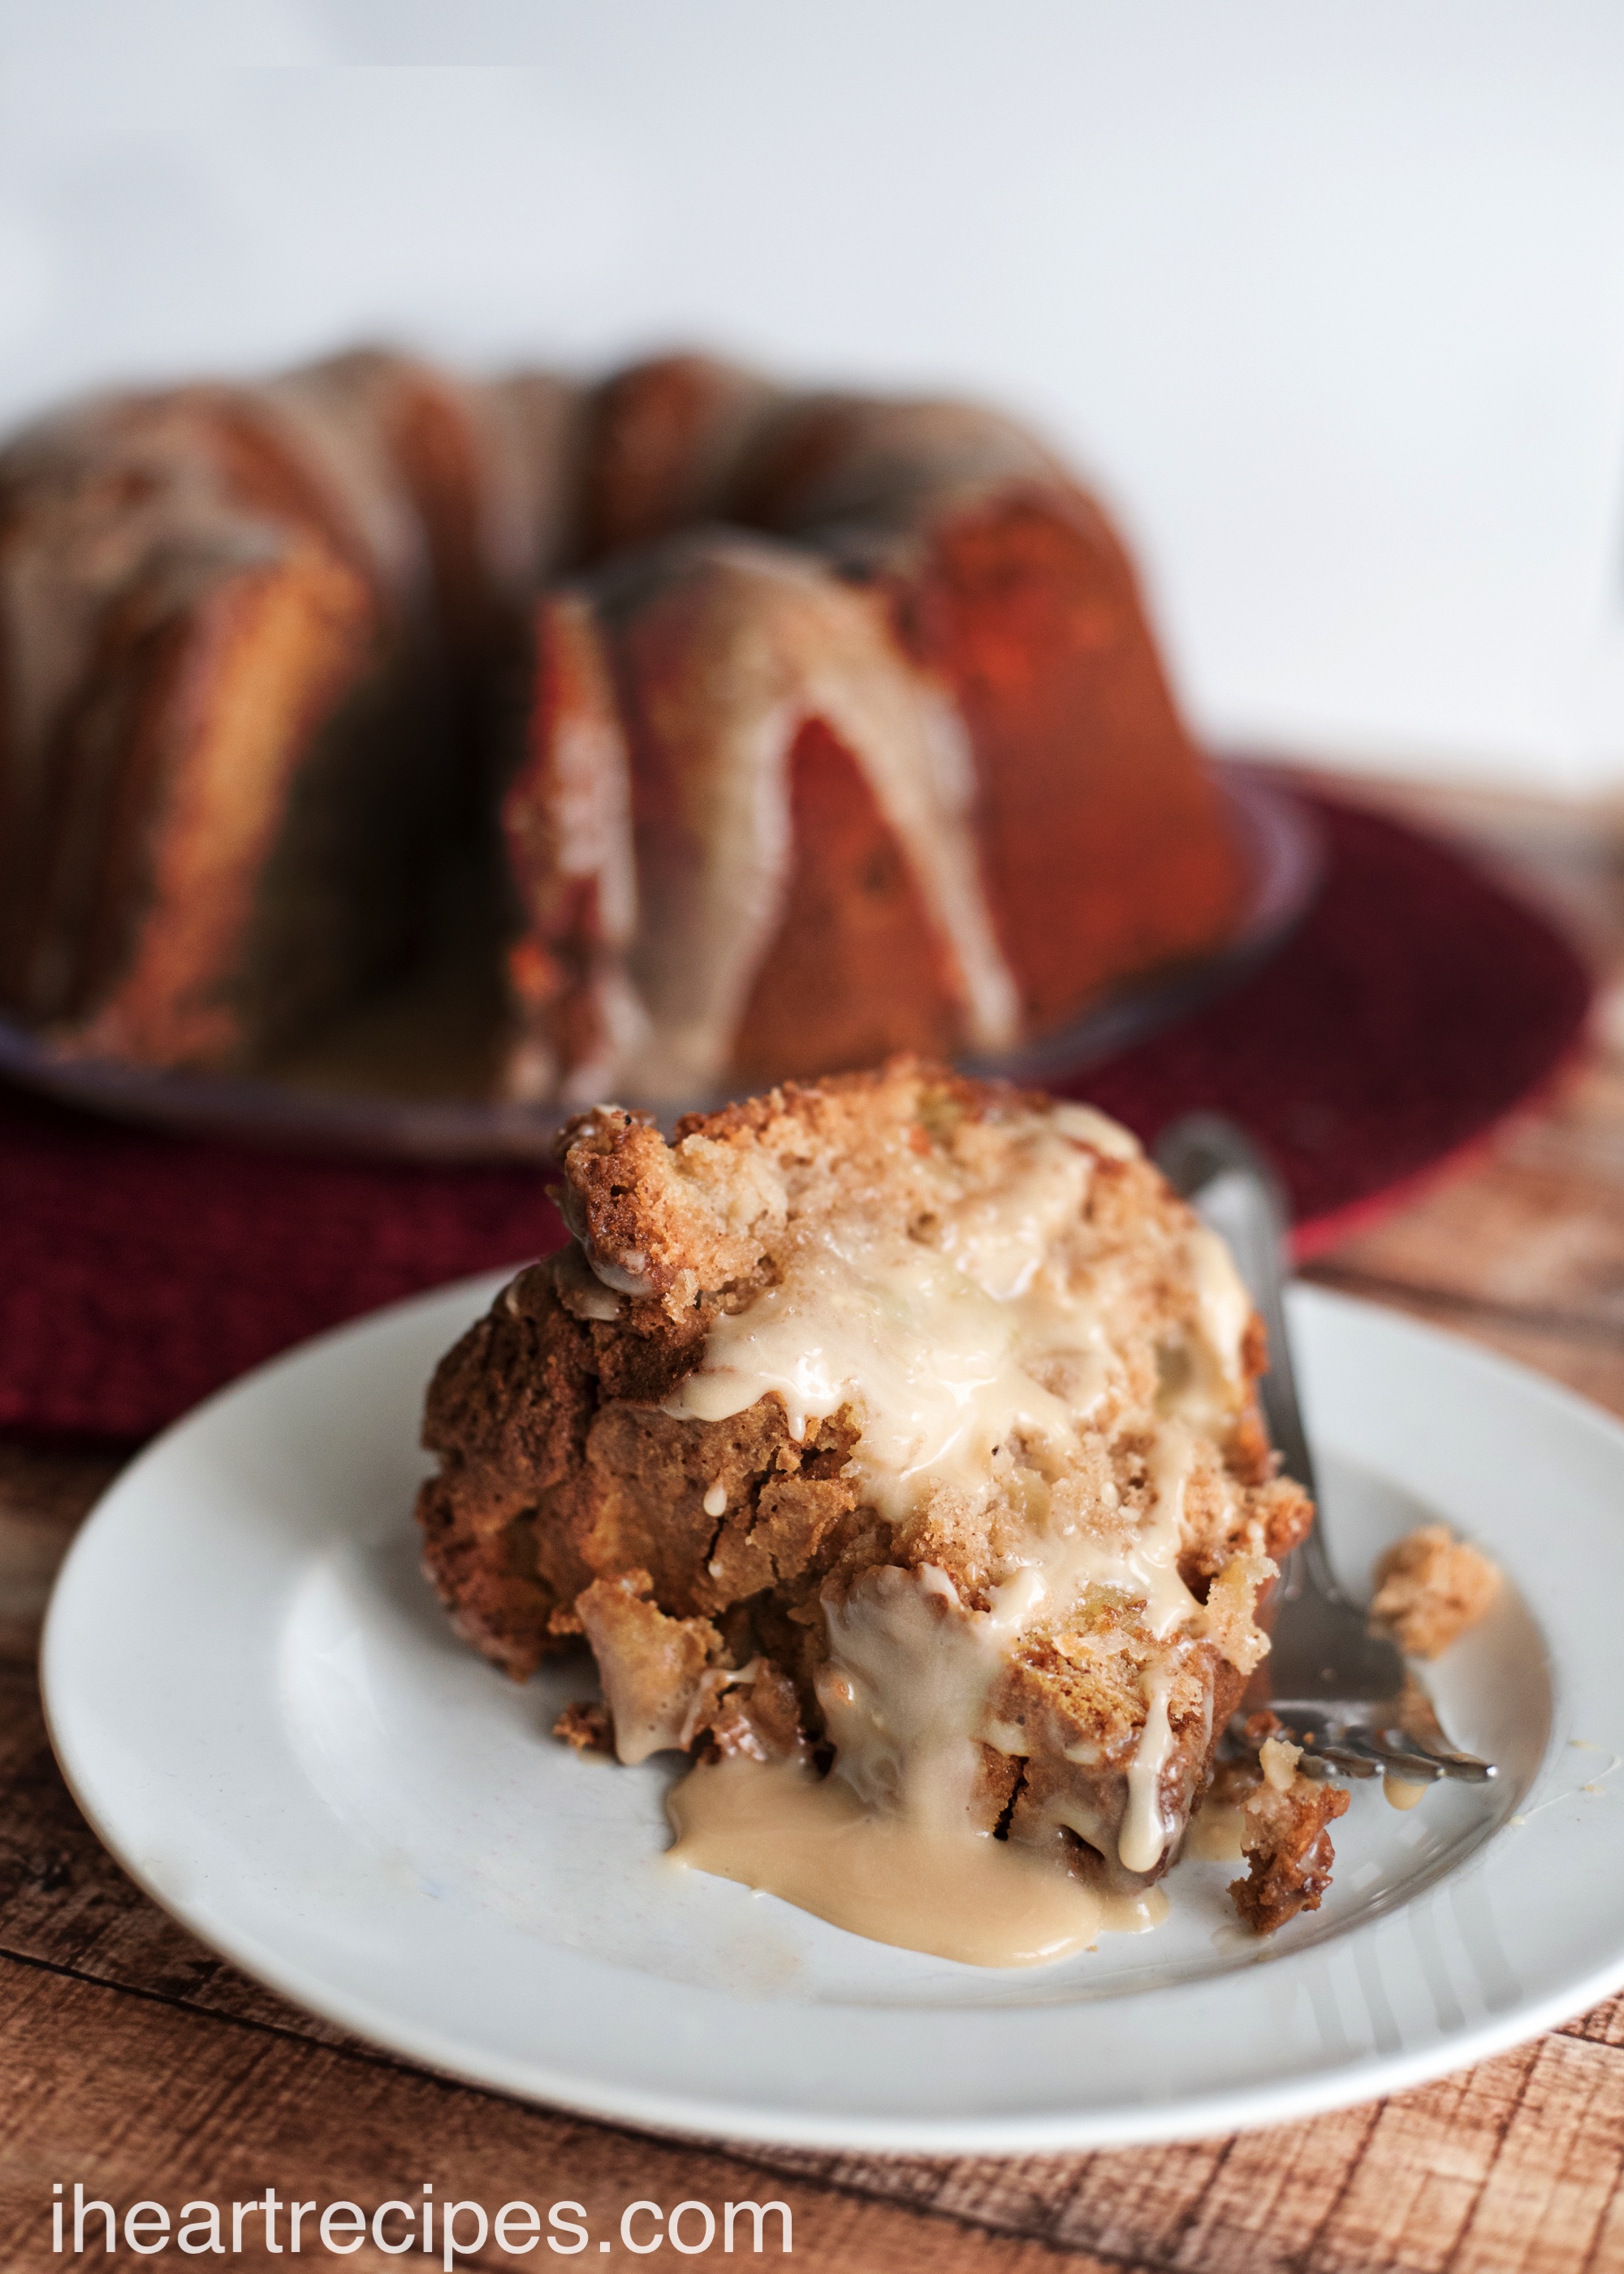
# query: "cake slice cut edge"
[893,1441]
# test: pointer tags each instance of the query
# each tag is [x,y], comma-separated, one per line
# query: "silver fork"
[1345,1692]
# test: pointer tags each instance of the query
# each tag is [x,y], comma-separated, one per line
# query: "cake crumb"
[1282,1820]
[1430,1588]
[1286,1841]
[1285,1838]
[586,1726]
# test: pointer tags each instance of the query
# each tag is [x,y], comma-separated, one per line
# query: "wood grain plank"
[1603,2025]
[135,2100]
[1544,2206]
[45,1493]
[1410,2203]
[1127,2207]
[1513,2165]
[1534,1224]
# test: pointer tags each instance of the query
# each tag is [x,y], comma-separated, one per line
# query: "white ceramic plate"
[261,1710]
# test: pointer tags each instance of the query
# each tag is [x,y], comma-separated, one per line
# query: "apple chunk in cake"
[892,1442]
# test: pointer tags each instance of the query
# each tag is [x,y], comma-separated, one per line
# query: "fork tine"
[1413,1763]
[1393,1761]
[1466,1766]
[1391,1748]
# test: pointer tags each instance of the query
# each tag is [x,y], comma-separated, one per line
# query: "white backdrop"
[1330,299]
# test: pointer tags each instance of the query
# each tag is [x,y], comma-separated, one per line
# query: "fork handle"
[1236,1194]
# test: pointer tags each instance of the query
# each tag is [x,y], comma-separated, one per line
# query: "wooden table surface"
[134,2061]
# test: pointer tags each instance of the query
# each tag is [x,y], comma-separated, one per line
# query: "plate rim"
[1207,2112]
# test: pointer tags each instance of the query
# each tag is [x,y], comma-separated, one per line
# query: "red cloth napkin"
[1415,1004]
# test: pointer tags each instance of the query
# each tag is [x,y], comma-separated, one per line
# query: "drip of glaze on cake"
[935,1348]
[739,699]
[1144,1833]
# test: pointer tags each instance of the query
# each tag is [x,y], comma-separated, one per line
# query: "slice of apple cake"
[892,1442]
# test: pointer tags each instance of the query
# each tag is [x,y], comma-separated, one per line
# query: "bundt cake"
[892,1442]
[726,733]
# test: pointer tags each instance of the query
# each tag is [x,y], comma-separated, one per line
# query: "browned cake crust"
[704,1559]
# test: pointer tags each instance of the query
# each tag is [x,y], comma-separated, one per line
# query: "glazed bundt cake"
[903,1421]
[732,733]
